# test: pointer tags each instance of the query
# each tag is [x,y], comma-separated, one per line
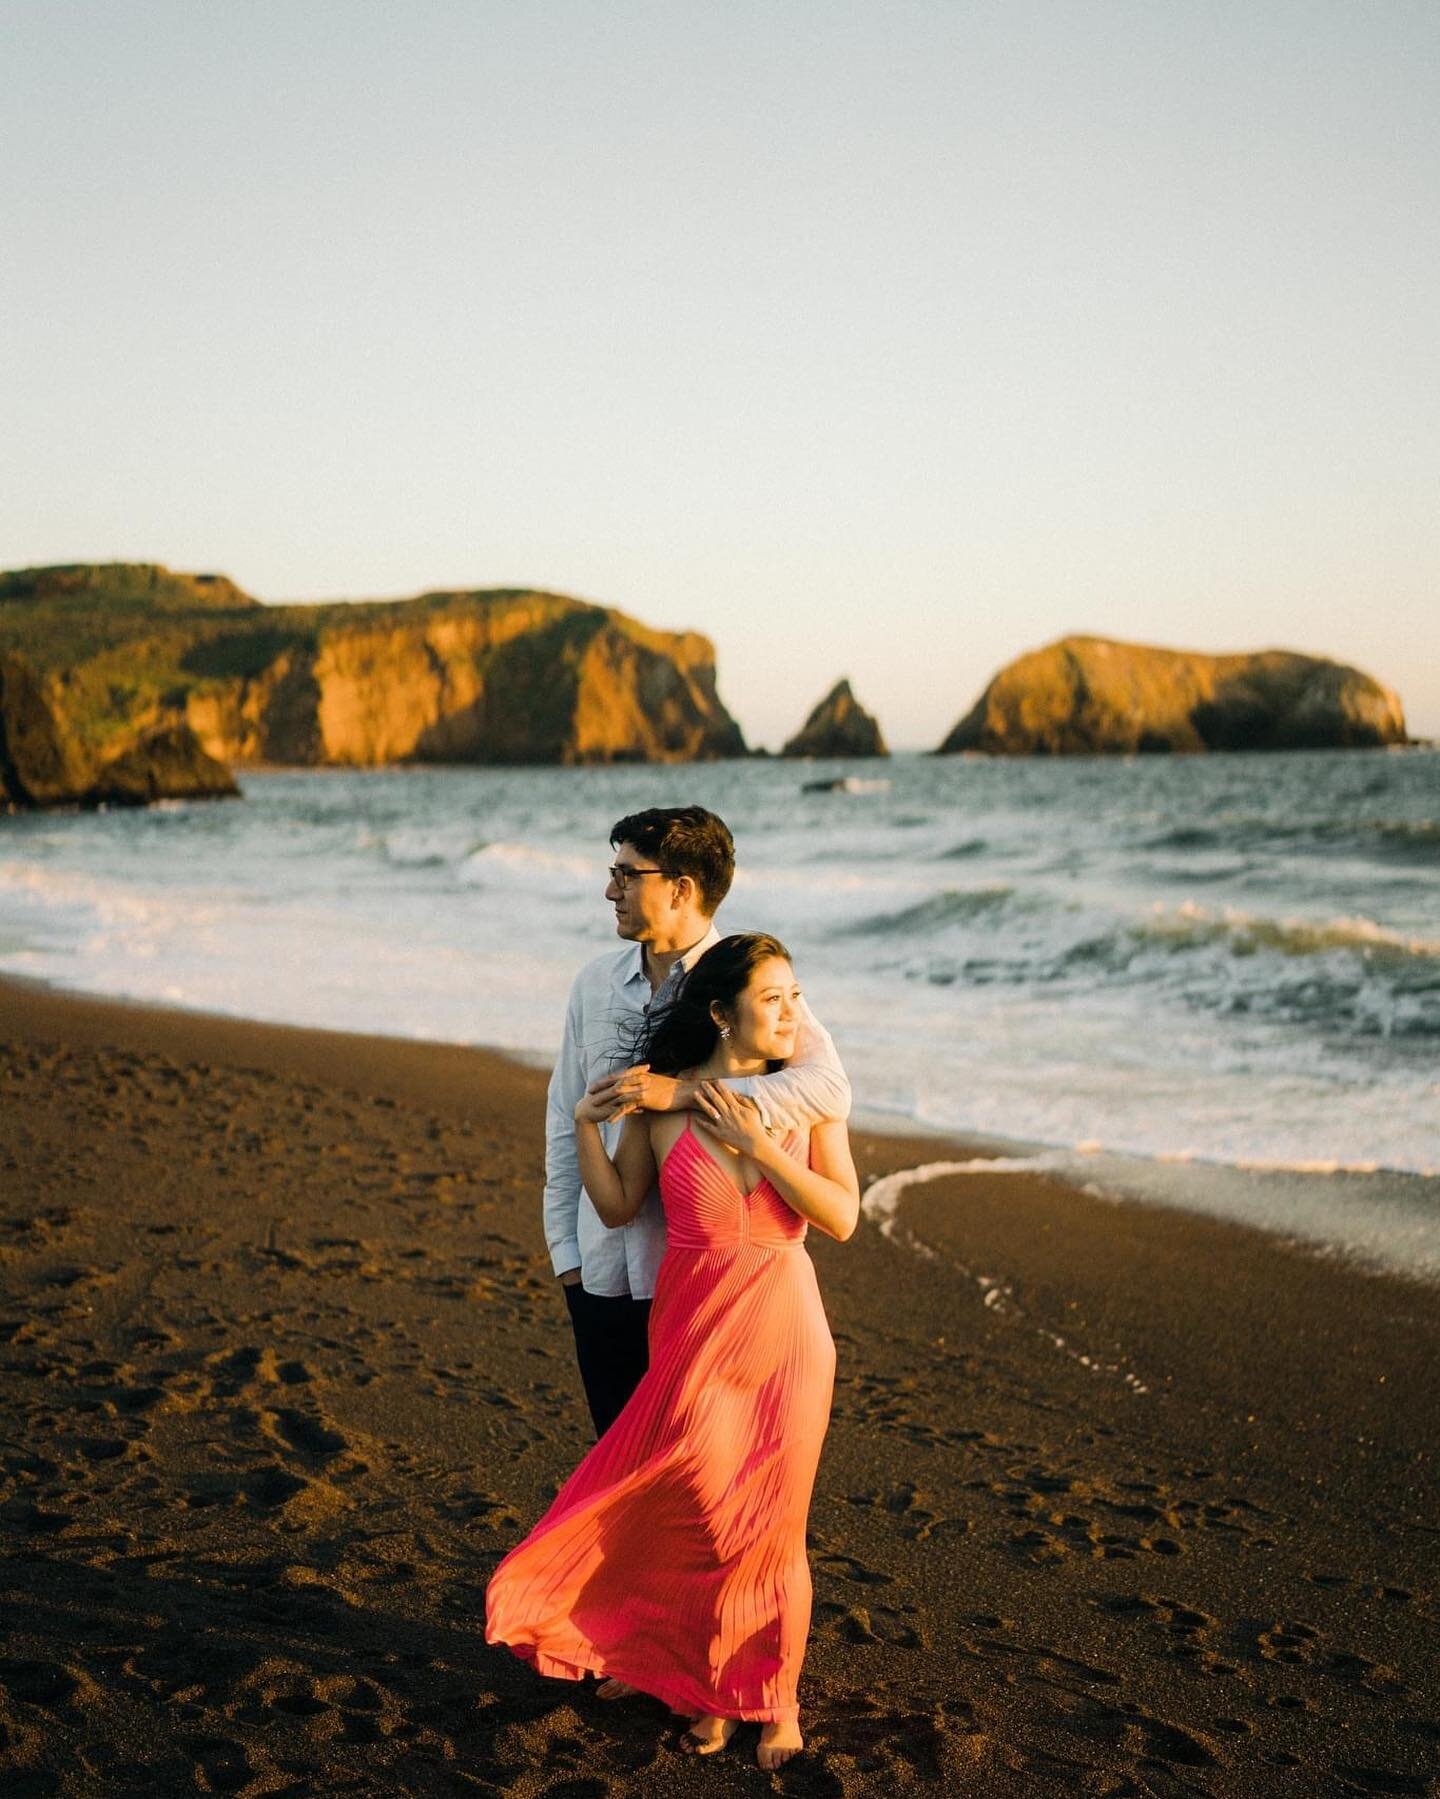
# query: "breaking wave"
[955,905]
[1246,933]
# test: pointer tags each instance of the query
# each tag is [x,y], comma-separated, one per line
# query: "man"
[672,868]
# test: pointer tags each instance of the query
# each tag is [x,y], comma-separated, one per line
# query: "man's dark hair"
[684,840]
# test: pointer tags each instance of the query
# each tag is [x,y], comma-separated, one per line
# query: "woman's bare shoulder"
[666,1130]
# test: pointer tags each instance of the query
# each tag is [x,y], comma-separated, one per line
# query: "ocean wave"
[1413,841]
[1189,837]
[756,878]
[1405,840]
[1245,933]
[1173,933]
[954,905]
[424,859]
[1347,979]
[63,891]
[525,865]
[421,849]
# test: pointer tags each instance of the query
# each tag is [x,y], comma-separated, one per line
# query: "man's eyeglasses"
[622,876]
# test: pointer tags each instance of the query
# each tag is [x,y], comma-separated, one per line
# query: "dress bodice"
[704,1209]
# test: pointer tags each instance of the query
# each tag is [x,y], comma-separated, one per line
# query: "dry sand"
[1115,1500]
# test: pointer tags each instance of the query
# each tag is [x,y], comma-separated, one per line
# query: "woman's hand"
[599,1103]
[731,1117]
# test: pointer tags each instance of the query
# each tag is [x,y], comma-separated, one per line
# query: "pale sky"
[884,340]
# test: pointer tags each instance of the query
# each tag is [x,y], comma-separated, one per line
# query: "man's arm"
[812,1085]
[562,1166]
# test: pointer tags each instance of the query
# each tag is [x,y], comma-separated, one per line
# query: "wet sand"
[1115,1500]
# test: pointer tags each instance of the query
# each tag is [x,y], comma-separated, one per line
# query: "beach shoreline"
[1115,1495]
[1226,963]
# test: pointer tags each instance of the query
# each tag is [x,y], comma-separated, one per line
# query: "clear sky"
[886,340]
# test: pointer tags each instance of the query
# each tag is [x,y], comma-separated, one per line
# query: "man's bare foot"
[778,1742]
[615,1689]
[708,1735]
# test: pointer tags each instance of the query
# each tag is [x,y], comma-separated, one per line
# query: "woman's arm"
[827,1192]
[617,1189]
[812,1085]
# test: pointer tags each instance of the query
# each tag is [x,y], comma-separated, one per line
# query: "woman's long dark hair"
[682,1034]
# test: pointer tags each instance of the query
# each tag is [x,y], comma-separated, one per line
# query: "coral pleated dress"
[674,1556]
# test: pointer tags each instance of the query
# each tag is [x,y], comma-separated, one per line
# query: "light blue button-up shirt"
[608,1003]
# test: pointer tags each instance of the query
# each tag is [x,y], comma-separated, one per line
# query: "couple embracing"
[695,1130]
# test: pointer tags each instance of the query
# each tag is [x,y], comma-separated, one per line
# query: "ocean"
[1130,968]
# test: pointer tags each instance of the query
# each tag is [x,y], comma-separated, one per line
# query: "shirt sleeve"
[811,1086]
[562,1164]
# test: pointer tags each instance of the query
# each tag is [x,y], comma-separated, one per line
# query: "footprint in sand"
[846,1567]
[304,1434]
[867,1624]
[222,1765]
[914,1521]
[895,1747]
[270,1487]
[46,1684]
[338,1707]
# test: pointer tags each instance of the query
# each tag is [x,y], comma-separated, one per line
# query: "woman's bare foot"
[708,1735]
[778,1742]
[615,1689]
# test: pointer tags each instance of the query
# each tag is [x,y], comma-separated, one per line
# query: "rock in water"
[40,762]
[839,726]
[846,784]
[167,763]
[1093,696]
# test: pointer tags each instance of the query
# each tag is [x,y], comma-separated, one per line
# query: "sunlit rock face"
[839,726]
[166,762]
[43,764]
[493,676]
[1093,696]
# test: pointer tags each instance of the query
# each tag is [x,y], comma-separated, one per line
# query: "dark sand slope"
[285,1374]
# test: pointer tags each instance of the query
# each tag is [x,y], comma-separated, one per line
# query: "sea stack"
[165,763]
[839,726]
[1093,696]
[40,762]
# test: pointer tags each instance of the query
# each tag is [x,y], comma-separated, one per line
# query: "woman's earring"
[724,1030]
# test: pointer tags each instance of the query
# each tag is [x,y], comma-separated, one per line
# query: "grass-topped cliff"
[501,675]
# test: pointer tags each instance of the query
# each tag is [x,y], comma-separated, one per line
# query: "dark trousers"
[612,1346]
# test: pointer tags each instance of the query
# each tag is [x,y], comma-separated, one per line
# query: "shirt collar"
[696,950]
[632,967]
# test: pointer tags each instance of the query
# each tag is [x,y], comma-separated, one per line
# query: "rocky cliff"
[839,726]
[1093,696]
[488,676]
[42,763]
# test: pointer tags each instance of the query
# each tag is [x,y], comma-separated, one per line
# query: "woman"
[673,1559]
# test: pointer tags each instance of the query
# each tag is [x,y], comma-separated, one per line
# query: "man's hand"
[599,1103]
[638,1090]
[570,1278]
